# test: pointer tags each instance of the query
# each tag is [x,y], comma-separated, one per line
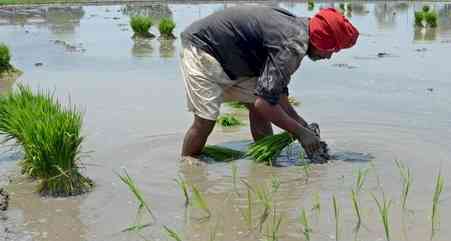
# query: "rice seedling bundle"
[228,120]
[50,137]
[222,154]
[419,17]
[431,19]
[5,57]
[166,26]
[268,148]
[141,25]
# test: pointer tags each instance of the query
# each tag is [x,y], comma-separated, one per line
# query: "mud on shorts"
[208,86]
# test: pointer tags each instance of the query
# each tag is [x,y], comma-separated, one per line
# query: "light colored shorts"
[208,86]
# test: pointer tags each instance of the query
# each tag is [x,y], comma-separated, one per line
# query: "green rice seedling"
[184,186]
[435,219]
[311,4]
[306,229]
[419,17]
[383,207]
[293,101]
[274,226]
[360,181]
[5,57]
[275,184]
[142,204]
[214,231]
[236,105]
[228,120]
[166,26]
[337,218]
[431,19]
[247,213]
[172,234]
[406,179]
[342,7]
[356,206]
[307,170]
[50,137]
[317,204]
[222,154]
[235,174]
[200,202]
[268,148]
[426,8]
[141,26]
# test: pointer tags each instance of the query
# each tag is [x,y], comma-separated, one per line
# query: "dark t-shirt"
[253,41]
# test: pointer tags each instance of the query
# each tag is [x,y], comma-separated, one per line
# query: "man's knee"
[202,124]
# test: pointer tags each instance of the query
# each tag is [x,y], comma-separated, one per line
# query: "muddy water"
[386,99]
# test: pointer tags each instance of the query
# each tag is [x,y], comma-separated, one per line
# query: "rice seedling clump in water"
[5,57]
[141,26]
[221,154]
[268,148]
[228,120]
[166,27]
[50,137]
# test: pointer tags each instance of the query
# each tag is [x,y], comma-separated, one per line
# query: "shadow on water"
[167,48]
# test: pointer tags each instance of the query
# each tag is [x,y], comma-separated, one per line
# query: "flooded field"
[386,99]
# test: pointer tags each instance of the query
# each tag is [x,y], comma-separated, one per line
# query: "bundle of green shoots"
[236,105]
[228,120]
[222,154]
[268,148]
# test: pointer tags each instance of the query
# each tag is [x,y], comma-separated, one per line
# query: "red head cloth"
[330,31]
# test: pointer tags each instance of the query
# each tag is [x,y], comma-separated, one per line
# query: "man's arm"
[288,108]
[277,115]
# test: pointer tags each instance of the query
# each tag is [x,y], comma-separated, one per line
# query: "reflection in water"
[359,9]
[425,34]
[63,20]
[167,48]
[154,10]
[142,48]
[385,14]
[59,19]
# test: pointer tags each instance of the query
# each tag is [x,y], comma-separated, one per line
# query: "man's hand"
[309,140]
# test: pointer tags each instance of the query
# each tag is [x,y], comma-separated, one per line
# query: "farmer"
[248,54]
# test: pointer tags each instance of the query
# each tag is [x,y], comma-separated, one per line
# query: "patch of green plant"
[356,206]
[184,187]
[172,234]
[419,17]
[342,7]
[383,207]
[306,229]
[5,57]
[274,226]
[50,137]
[142,204]
[268,148]
[265,198]
[141,26]
[406,179]
[426,8]
[236,105]
[228,120]
[435,219]
[311,4]
[166,27]
[317,203]
[337,218]
[275,183]
[349,7]
[360,180]
[222,154]
[235,175]
[199,201]
[431,19]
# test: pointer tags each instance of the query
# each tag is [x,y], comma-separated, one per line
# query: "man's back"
[241,38]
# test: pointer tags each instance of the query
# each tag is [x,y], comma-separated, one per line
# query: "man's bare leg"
[260,127]
[196,136]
